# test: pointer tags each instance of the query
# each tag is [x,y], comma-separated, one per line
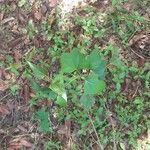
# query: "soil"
[17,128]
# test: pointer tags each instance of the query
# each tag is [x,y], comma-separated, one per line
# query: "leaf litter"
[17,45]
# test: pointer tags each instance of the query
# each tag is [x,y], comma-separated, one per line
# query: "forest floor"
[74,80]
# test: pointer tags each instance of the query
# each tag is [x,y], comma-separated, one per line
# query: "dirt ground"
[17,127]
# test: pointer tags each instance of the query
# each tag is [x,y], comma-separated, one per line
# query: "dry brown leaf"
[1,16]
[14,146]
[112,119]
[17,57]
[144,143]
[1,1]
[1,73]
[4,85]
[25,91]
[4,110]
[21,128]
[65,129]
[18,143]
[62,129]
[68,127]
[6,20]
[43,10]
[128,6]
[111,66]
[126,84]
[6,79]
[38,15]
[136,38]
[52,3]
[2,57]
[141,62]
[26,143]
[15,42]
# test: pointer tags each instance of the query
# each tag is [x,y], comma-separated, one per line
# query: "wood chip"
[7,20]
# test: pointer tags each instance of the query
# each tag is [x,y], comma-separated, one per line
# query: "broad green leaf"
[42,91]
[87,101]
[61,100]
[93,85]
[97,64]
[71,61]
[38,72]
[58,87]
[42,116]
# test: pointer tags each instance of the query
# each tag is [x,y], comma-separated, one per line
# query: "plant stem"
[99,143]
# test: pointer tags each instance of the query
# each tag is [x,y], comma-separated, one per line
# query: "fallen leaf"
[6,79]
[140,45]
[15,42]
[2,57]
[52,3]
[112,119]
[143,143]
[38,14]
[4,85]
[25,91]
[26,143]
[111,66]
[62,129]
[126,84]
[4,110]
[137,38]
[1,16]
[1,73]
[65,129]
[68,127]
[18,143]
[43,9]
[128,6]
[141,62]
[6,20]
[17,57]
[21,128]
[14,146]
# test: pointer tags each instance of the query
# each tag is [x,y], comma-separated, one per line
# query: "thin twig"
[99,143]
[113,127]
[114,141]
[5,96]
[135,91]
[136,53]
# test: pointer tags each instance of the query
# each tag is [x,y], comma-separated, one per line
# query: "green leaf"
[51,145]
[97,64]
[42,91]
[87,101]
[38,72]
[42,116]
[71,61]
[58,87]
[21,3]
[61,100]
[115,2]
[14,89]
[93,85]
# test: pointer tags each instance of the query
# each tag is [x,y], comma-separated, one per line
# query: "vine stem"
[99,143]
